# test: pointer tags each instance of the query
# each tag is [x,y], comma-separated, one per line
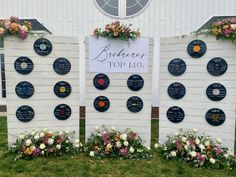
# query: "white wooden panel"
[118,93]
[196,79]
[43,78]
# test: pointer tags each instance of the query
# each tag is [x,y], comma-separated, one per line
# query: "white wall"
[79,17]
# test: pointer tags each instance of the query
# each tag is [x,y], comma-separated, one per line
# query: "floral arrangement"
[224,29]
[116,30]
[13,27]
[114,144]
[44,143]
[196,150]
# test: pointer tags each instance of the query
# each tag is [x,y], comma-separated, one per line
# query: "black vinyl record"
[62,89]
[42,47]
[101,103]
[176,90]
[134,104]
[135,82]
[215,117]
[23,65]
[101,81]
[24,89]
[217,66]
[175,114]
[25,113]
[216,92]
[196,48]
[177,67]
[61,66]
[62,112]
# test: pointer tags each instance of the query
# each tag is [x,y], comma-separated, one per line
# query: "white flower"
[174,141]
[22,136]
[45,129]
[36,137]
[60,133]
[176,133]
[42,134]
[184,139]
[173,153]
[77,145]
[109,146]
[33,133]
[32,148]
[77,141]
[140,150]
[207,143]
[42,146]
[113,128]
[233,26]
[195,130]
[165,148]
[197,141]
[99,134]
[118,144]
[126,143]
[58,146]
[66,131]
[212,160]
[81,144]
[28,142]
[123,136]
[91,153]
[218,140]
[67,141]
[97,128]
[131,149]
[23,28]
[156,145]
[50,141]
[186,147]
[42,152]
[201,146]
[148,148]
[193,153]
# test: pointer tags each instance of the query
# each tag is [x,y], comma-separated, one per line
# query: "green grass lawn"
[81,166]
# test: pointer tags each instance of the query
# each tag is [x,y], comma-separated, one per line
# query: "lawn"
[81,166]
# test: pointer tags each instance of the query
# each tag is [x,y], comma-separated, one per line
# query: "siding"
[79,17]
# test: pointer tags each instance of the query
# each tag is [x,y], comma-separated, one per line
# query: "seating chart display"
[61,66]
[43,46]
[177,67]
[217,66]
[101,81]
[24,89]
[25,113]
[24,65]
[135,82]
[196,48]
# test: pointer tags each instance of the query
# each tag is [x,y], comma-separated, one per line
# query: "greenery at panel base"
[80,165]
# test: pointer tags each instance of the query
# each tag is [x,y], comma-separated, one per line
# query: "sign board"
[118,56]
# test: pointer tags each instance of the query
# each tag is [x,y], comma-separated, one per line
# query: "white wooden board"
[196,79]
[43,77]
[118,93]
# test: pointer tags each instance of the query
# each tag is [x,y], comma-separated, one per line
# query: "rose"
[28,142]
[2,31]
[201,146]
[32,148]
[58,146]
[50,141]
[77,145]
[156,145]
[184,139]
[207,143]
[33,133]
[77,141]
[126,143]
[24,28]
[109,146]
[42,146]
[36,137]
[123,151]
[42,134]
[91,154]
[118,144]
[173,153]
[212,160]
[233,26]
[131,149]
[123,137]
[193,153]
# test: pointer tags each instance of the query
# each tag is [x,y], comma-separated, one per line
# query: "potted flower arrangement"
[106,143]
[196,150]
[116,30]
[13,27]
[44,143]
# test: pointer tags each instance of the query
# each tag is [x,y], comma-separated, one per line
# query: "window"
[122,8]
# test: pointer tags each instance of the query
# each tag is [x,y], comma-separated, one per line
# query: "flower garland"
[13,27]
[116,30]
[196,150]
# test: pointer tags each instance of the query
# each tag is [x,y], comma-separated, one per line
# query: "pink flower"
[123,151]
[192,143]
[178,145]
[106,138]
[22,34]
[218,150]
[7,23]
[36,152]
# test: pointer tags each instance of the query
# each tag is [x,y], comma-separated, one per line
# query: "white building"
[154,18]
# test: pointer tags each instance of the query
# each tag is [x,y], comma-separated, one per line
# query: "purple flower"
[36,152]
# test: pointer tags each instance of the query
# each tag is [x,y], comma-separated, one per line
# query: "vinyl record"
[62,112]
[196,48]
[177,67]
[23,65]
[217,66]
[216,92]
[42,47]
[101,103]
[101,81]
[134,104]
[215,117]
[175,114]
[176,90]
[62,89]
[25,113]
[61,66]
[135,82]
[24,89]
